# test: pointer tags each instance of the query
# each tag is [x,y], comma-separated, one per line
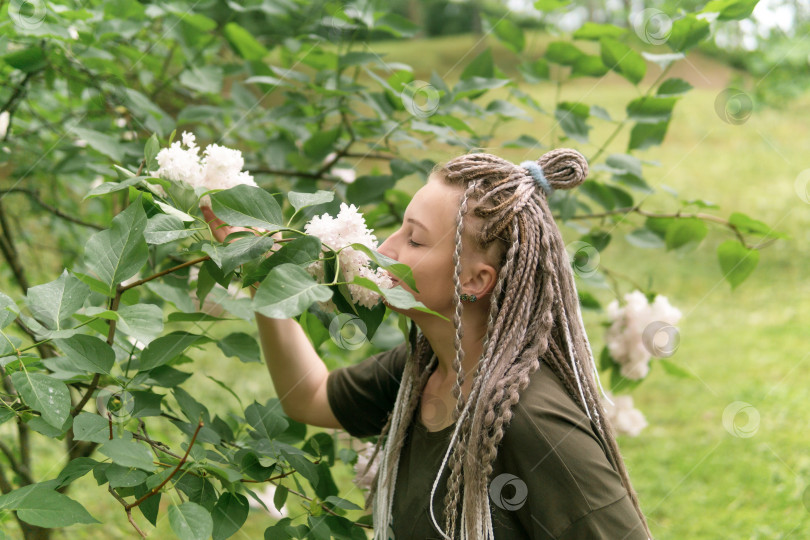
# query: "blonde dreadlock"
[534,313]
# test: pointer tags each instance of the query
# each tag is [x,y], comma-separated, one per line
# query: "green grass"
[695,480]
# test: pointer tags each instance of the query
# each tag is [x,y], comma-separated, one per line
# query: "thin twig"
[123,289]
[127,510]
[33,194]
[177,468]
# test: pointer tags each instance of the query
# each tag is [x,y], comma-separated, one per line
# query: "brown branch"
[10,252]
[678,214]
[5,485]
[371,155]
[18,468]
[122,289]
[34,194]
[156,445]
[177,468]
[126,509]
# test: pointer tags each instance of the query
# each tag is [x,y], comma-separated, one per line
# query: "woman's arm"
[298,373]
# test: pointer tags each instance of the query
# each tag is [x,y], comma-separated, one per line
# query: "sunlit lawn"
[694,478]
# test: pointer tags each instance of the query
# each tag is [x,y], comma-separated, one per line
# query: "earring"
[469,297]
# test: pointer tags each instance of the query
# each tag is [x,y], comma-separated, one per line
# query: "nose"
[386,248]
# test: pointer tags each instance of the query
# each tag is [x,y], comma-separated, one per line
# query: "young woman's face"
[426,242]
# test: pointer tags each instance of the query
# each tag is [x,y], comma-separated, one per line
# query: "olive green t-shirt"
[551,479]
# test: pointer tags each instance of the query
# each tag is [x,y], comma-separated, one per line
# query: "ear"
[480,279]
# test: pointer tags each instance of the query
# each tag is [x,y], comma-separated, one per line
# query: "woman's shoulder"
[554,441]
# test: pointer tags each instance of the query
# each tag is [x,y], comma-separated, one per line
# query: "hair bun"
[564,168]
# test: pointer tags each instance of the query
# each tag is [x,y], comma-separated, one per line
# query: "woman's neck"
[441,336]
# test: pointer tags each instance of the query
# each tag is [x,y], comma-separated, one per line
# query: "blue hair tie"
[537,173]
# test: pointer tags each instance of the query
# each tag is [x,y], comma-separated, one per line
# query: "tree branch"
[177,468]
[33,194]
[127,510]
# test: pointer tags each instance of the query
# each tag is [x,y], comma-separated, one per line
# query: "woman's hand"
[218,227]
[221,232]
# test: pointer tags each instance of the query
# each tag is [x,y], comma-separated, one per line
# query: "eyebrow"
[411,220]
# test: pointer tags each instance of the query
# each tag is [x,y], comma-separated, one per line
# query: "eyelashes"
[414,244]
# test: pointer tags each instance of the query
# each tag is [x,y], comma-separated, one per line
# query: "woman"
[490,425]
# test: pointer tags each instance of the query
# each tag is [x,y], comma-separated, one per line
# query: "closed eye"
[414,244]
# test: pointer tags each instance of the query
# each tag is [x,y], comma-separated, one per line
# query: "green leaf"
[45,394]
[101,142]
[674,369]
[28,60]
[229,514]
[645,135]
[509,34]
[563,52]
[686,231]
[736,261]
[141,321]
[54,303]
[91,427]
[622,59]
[119,476]
[396,296]
[267,422]
[150,152]
[87,353]
[74,470]
[481,66]
[303,466]
[651,110]
[589,66]
[303,200]
[572,121]
[243,250]
[369,188]
[287,291]
[280,497]
[550,5]
[40,505]
[400,270]
[164,228]
[746,224]
[8,310]
[190,521]
[240,345]
[247,206]
[624,163]
[476,86]
[673,87]
[112,187]
[205,79]
[595,31]
[166,348]
[321,143]
[730,10]
[688,32]
[128,454]
[119,252]
[244,43]
[146,403]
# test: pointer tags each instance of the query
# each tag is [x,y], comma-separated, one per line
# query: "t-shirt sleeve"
[572,489]
[362,395]
[606,522]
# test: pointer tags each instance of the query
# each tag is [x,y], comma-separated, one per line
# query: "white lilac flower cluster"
[338,233]
[361,480]
[625,419]
[218,167]
[626,336]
